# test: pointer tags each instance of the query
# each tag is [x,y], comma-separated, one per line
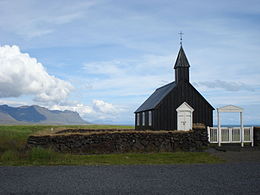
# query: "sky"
[104,58]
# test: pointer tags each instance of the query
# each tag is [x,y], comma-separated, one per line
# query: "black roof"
[181,60]
[156,97]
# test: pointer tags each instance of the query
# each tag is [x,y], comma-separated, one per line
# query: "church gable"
[181,93]
[185,107]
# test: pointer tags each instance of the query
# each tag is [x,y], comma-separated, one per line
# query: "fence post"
[252,135]
[208,128]
[230,135]
[219,129]
[242,129]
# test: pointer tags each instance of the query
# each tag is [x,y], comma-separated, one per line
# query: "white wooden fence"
[231,135]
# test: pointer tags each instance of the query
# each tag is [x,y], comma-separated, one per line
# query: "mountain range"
[38,115]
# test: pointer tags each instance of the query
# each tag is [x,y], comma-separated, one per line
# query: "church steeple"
[181,67]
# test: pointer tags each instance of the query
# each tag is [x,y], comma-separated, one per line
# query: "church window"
[150,118]
[138,119]
[143,119]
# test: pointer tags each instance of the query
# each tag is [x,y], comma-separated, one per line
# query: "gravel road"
[242,156]
[229,178]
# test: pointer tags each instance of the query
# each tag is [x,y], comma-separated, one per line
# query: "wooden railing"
[231,135]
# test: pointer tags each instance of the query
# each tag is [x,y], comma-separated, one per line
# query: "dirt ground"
[238,155]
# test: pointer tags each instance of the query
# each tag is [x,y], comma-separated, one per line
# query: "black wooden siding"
[164,116]
[182,74]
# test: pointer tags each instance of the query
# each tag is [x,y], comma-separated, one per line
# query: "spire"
[181,61]
[181,67]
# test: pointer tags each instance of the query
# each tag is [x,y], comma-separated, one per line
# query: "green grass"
[39,156]
[14,137]
[13,151]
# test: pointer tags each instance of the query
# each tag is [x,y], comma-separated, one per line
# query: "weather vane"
[181,33]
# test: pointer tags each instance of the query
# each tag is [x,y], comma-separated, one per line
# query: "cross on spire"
[181,33]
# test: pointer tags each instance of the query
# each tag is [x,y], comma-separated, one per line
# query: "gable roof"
[181,60]
[230,108]
[185,107]
[156,97]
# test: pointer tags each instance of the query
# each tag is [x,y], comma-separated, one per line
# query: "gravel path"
[237,154]
[228,178]
[244,156]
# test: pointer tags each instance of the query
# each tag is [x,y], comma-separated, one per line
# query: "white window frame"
[143,118]
[138,119]
[150,118]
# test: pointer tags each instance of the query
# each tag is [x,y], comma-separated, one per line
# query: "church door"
[184,120]
[184,117]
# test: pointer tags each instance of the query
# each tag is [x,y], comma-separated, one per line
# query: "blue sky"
[103,58]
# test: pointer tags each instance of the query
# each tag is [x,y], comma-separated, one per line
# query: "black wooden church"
[175,106]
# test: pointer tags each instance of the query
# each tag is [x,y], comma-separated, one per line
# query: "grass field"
[13,151]
[13,137]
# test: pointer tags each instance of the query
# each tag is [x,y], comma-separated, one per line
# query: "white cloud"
[99,111]
[80,108]
[129,77]
[103,107]
[22,75]
[13,103]
[229,86]
[104,68]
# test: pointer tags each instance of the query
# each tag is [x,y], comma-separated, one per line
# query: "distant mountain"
[38,115]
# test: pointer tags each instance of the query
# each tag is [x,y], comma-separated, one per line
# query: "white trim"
[230,108]
[252,136]
[185,107]
[214,130]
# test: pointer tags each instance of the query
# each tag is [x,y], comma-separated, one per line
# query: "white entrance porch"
[231,134]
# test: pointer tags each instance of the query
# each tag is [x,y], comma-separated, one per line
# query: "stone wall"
[125,141]
[257,136]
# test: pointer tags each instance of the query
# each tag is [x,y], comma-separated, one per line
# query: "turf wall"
[120,142]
